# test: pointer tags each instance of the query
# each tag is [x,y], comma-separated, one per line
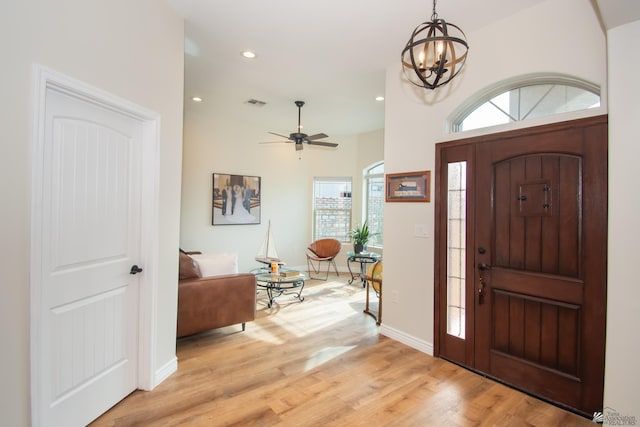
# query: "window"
[456,248]
[526,98]
[331,208]
[373,184]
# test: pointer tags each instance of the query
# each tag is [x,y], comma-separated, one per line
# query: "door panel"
[91,225]
[540,237]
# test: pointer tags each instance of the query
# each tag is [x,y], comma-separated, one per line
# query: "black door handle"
[135,269]
[483,267]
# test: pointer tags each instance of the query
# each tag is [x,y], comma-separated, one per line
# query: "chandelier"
[435,53]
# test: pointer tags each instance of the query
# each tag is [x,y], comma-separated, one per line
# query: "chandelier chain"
[434,14]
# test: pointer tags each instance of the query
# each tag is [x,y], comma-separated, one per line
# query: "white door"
[91,204]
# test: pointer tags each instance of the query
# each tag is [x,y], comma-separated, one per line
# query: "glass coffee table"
[286,281]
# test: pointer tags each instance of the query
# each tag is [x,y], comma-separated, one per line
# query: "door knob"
[135,269]
[483,267]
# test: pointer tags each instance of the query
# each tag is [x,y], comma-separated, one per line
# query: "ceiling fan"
[299,138]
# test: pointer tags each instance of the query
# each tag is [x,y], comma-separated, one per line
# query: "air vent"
[256,102]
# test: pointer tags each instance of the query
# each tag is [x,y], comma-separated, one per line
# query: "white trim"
[44,79]
[165,371]
[411,341]
[538,121]
[149,252]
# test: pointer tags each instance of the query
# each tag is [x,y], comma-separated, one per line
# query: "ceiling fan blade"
[317,136]
[323,143]
[277,134]
[275,142]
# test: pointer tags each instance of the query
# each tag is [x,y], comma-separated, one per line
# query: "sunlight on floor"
[325,355]
[314,294]
[259,333]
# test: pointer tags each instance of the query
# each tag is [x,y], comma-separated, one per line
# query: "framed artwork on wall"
[408,186]
[236,199]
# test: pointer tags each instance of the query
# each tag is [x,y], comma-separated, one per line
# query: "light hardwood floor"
[321,362]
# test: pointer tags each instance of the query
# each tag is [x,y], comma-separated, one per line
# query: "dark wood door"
[536,264]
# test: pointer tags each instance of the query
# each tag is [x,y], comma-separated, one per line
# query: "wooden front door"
[534,265]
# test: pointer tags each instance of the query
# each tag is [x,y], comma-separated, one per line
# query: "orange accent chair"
[374,279]
[322,250]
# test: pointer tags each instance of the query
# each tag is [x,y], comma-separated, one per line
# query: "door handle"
[484,267]
[481,284]
[135,269]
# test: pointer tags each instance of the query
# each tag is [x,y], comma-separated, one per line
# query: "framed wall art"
[236,199]
[408,187]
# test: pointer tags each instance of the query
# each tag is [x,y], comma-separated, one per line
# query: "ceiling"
[332,54]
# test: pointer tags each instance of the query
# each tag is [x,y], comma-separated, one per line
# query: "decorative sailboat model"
[267,253]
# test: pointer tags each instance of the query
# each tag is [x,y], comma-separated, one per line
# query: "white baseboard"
[165,371]
[411,341]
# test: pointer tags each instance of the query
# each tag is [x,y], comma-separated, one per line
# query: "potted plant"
[360,236]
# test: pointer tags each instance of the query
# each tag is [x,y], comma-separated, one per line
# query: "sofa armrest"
[213,302]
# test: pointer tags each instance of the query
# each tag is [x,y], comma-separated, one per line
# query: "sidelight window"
[456,247]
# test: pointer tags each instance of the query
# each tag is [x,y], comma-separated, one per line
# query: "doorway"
[521,255]
[94,171]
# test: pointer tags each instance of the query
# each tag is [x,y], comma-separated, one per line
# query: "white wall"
[622,373]
[227,142]
[131,49]
[539,39]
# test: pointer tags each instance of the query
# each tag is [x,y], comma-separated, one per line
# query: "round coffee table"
[287,281]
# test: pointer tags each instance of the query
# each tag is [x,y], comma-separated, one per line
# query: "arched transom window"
[525,98]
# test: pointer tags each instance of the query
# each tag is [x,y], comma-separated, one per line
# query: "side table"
[363,258]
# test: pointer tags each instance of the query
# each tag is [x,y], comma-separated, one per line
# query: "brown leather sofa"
[213,302]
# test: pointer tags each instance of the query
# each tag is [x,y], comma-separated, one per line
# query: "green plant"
[361,235]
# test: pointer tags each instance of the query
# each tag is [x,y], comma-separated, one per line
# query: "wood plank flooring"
[321,362]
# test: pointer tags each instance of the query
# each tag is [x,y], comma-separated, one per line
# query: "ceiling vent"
[256,102]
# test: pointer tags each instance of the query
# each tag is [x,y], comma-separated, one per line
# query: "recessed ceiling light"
[379,98]
[248,54]
[196,99]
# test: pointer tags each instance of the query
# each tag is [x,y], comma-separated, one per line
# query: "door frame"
[440,240]
[45,80]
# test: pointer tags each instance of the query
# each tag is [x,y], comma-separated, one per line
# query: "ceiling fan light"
[300,138]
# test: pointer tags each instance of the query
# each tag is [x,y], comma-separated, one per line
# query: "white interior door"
[91,204]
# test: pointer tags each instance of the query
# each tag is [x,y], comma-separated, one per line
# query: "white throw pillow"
[216,264]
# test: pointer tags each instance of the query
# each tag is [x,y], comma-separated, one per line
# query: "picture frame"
[408,187]
[236,199]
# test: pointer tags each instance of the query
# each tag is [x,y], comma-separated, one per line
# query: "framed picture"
[236,199]
[408,186]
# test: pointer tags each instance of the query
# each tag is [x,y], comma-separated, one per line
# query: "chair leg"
[335,267]
[311,267]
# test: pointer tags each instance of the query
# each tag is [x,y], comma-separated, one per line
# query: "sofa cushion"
[210,265]
[188,268]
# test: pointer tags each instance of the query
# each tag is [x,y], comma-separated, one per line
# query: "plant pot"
[358,247]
